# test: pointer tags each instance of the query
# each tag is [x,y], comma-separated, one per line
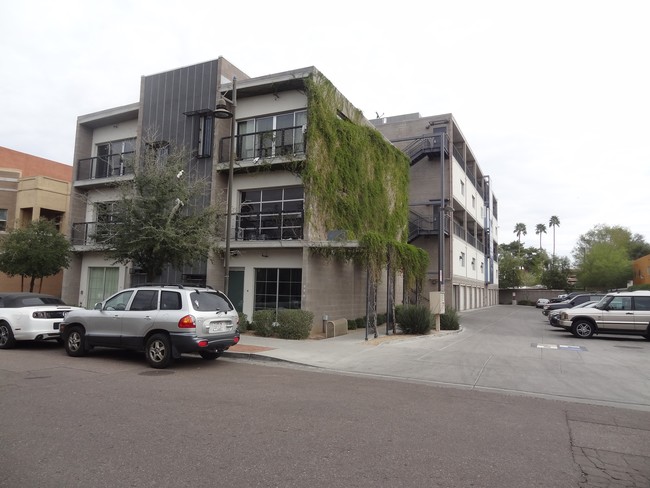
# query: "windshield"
[603,302]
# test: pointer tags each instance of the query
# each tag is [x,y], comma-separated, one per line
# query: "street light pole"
[221,112]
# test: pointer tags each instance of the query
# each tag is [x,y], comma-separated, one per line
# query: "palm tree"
[520,229]
[540,229]
[554,222]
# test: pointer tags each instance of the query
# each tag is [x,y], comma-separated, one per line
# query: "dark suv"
[162,321]
[576,300]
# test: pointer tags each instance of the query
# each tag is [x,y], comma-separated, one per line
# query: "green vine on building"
[357,182]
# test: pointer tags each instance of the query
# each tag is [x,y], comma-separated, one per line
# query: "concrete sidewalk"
[321,352]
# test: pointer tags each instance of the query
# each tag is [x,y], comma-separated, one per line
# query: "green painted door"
[236,288]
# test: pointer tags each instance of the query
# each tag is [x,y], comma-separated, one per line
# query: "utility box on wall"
[437,302]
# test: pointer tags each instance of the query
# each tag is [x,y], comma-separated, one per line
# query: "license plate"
[56,325]
[214,328]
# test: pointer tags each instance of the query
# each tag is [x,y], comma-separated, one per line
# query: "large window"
[271,213]
[111,157]
[273,135]
[277,288]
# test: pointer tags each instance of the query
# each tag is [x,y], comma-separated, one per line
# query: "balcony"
[103,167]
[248,227]
[92,233]
[284,143]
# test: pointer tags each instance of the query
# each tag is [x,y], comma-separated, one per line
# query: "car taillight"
[203,343]
[236,339]
[187,322]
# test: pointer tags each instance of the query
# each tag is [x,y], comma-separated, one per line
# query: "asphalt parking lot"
[508,401]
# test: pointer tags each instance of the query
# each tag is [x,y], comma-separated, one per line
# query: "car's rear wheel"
[75,342]
[7,339]
[210,355]
[582,329]
[159,351]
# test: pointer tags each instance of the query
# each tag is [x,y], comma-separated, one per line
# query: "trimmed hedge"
[289,324]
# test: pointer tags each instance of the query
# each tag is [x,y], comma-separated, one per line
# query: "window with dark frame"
[271,135]
[271,213]
[278,288]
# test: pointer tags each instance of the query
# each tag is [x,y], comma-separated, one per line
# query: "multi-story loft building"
[281,209]
[32,188]
[447,185]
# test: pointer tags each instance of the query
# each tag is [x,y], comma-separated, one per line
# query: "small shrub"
[244,324]
[262,323]
[414,319]
[450,319]
[294,324]
[286,324]
[352,324]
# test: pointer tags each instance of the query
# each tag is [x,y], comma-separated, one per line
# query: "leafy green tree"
[36,251]
[638,247]
[620,237]
[532,262]
[540,229]
[604,267]
[604,254]
[510,269]
[162,218]
[553,223]
[556,275]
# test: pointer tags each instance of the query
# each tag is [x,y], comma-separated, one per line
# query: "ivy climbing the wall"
[357,182]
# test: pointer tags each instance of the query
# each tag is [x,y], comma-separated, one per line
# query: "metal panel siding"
[167,96]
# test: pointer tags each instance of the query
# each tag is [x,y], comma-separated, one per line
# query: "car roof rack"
[171,285]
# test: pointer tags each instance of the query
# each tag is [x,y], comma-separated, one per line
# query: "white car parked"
[30,316]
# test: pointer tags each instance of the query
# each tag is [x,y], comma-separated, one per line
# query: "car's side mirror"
[98,306]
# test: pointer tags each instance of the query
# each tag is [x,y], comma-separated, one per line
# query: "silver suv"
[163,321]
[616,313]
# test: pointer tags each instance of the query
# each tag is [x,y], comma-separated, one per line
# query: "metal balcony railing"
[264,144]
[421,147]
[92,233]
[263,226]
[424,225]
[105,166]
